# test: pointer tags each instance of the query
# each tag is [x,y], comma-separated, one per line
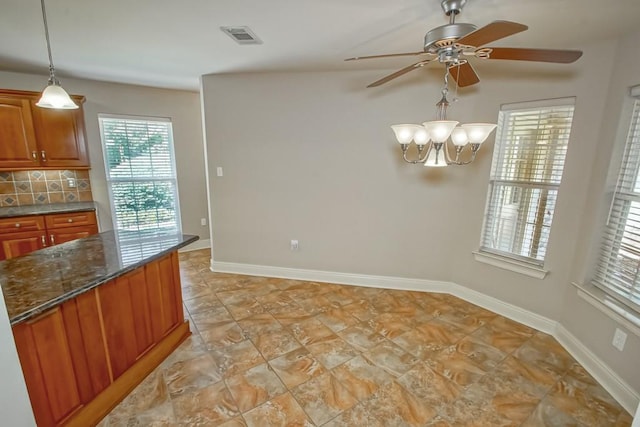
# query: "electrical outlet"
[295,245]
[619,339]
[203,221]
[72,183]
[219,171]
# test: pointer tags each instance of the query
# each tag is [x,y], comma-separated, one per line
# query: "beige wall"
[592,327]
[310,156]
[181,106]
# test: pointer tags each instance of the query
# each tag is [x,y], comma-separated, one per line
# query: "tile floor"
[274,352]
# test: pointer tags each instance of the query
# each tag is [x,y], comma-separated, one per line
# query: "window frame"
[513,261]
[627,140]
[172,163]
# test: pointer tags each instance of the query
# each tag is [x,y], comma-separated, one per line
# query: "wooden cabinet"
[82,358]
[70,226]
[45,356]
[32,137]
[17,134]
[60,136]
[21,235]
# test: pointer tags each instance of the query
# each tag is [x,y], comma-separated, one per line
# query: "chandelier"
[432,138]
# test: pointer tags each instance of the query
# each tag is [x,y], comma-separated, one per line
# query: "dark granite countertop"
[12,211]
[38,281]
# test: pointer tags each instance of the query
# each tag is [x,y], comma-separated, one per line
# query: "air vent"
[242,35]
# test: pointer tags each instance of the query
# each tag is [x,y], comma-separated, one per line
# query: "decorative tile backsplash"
[41,187]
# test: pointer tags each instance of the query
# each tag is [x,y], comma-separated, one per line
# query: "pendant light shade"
[53,96]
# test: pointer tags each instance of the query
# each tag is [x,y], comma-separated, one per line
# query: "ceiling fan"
[453,43]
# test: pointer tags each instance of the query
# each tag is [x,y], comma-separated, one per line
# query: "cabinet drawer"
[21,223]
[70,219]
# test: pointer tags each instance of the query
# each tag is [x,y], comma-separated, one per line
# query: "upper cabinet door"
[61,137]
[17,138]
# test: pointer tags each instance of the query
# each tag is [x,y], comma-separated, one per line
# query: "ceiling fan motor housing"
[445,36]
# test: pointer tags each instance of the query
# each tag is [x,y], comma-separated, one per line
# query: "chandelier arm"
[405,148]
[447,157]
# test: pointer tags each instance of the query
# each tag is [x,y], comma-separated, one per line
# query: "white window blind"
[619,266]
[141,174]
[528,161]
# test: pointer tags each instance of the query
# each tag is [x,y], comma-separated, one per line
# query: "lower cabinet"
[22,235]
[21,243]
[45,356]
[82,357]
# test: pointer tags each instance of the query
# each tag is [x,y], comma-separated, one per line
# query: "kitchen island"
[91,318]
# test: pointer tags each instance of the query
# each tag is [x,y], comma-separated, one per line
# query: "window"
[618,270]
[141,174]
[528,160]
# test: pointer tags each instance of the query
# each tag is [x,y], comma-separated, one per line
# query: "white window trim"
[609,306]
[507,263]
[597,294]
[106,165]
[511,262]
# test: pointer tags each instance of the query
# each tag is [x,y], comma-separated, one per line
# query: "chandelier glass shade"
[53,96]
[433,140]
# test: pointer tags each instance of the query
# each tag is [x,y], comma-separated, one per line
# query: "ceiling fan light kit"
[453,45]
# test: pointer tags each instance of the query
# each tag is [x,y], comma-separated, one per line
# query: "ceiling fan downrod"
[452,8]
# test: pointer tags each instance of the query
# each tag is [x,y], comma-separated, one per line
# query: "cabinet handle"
[18,225]
[70,220]
[34,156]
[43,154]
[52,239]
[44,240]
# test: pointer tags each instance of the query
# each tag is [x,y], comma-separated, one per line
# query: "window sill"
[510,264]
[610,307]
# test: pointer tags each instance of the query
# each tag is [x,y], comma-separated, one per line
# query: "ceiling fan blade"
[539,55]
[464,74]
[398,73]
[491,32]
[356,58]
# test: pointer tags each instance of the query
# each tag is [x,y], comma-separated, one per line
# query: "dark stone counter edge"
[36,210]
[94,284]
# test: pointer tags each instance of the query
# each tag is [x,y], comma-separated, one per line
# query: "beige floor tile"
[283,411]
[205,407]
[332,351]
[275,343]
[297,367]
[361,337]
[188,375]
[356,356]
[236,358]
[222,334]
[361,377]
[391,358]
[323,398]
[254,386]
[310,331]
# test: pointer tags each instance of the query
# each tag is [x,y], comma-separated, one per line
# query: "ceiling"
[170,44]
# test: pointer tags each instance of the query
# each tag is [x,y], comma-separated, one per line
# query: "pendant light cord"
[52,77]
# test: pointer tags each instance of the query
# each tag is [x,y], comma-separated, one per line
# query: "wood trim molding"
[101,405]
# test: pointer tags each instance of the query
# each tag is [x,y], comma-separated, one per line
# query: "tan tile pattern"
[38,187]
[277,352]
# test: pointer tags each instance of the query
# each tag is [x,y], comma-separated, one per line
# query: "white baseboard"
[615,385]
[198,244]
[513,312]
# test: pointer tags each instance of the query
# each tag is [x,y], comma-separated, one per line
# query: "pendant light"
[53,96]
